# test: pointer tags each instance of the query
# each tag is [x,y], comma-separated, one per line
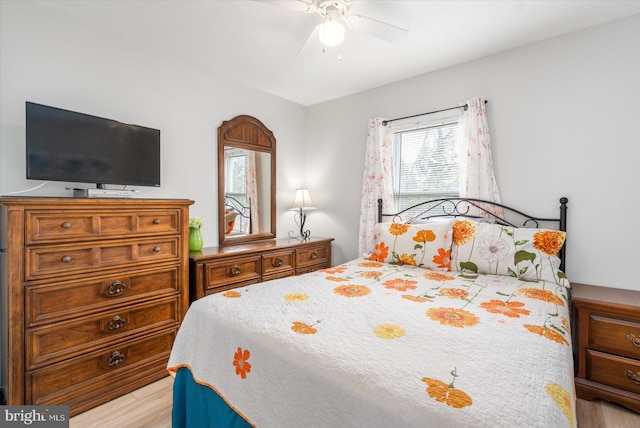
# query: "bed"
[459,318]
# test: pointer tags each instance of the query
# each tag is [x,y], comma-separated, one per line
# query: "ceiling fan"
[330,31]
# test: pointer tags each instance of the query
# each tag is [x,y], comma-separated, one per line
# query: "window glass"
[426,164]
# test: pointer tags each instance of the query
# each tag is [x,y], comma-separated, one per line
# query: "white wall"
[563,114]
[50,59]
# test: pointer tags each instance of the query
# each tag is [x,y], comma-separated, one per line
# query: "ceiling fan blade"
[310,45]
[382,30]
[297,5]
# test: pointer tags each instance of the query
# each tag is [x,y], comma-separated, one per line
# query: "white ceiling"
[255,43]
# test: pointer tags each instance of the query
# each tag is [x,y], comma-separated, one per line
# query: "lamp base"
[300,218]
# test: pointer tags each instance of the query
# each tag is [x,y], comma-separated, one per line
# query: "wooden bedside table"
[607,343]
[217,269]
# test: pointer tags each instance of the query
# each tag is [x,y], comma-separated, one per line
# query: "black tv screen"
[63,145]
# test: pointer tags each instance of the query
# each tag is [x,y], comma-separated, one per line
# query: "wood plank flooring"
[150,407]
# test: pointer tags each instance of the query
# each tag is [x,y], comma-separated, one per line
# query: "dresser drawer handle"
[634,340]
[116,287]
[66,225]
[117,323]
[156,250]
[116,358]
[313,255]
[277,262]
[235,270]
[156,221]
[633,377]
[66,259]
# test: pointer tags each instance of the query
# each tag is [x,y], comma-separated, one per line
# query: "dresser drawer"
[614,371]
[60,260]
[62,382]
[312,255]
[63,300]
[56,342]
[244,270]
[278,263]
[74,225]
[613,335]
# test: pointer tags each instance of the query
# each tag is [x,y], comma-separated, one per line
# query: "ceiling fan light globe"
[331,33]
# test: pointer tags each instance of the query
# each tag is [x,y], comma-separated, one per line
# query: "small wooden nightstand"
[607,343]
[217,269]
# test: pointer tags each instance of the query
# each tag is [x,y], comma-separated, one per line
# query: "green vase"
[195,239]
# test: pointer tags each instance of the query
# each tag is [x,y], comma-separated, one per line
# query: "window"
[426,164]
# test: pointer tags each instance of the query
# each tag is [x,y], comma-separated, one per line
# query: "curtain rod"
[465,107]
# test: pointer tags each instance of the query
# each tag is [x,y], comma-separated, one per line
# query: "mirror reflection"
[246,181]
[247,191]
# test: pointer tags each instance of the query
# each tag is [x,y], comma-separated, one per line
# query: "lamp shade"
[302,200]
[331,33]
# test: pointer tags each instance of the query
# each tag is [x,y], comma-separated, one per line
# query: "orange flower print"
[232,294]
[443,259]
[437,276]
[240,361]
[453,317]
[302,328]
[389,331]
[370,264]
[352,290]
[510,309]
[371,274]
[400,284]
[447,394]
[549,241]
[546,332]
[398,229]
[336,279]
[380,254]
[425,235]
[539,294]
[563,399]
[406,259]
[334,270]
[463,230]
[454,293]
[296,297]
[419,299]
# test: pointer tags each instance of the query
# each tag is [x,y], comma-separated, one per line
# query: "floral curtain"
[252,194]
[377,182]
[477,179]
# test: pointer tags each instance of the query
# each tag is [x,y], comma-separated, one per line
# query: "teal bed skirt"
[198,406]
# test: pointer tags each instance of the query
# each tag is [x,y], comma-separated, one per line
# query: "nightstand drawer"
[239,270]
[614,335]
[277,263]
[619,372]
[312,255]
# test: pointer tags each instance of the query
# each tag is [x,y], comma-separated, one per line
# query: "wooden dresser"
[95,293]
[216,269]
[607,342]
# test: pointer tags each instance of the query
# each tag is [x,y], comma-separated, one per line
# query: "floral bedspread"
[380,345]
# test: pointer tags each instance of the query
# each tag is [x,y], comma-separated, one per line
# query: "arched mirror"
[246,181]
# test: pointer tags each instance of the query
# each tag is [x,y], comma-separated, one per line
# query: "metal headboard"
[481,210]
[244,211]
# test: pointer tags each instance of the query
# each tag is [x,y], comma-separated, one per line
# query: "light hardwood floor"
[150,407]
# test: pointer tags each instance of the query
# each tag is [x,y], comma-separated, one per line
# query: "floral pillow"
[422,245]
[526,253]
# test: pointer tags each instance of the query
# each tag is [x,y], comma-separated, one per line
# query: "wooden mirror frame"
[249,133]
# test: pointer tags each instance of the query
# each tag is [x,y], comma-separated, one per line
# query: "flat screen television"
[63,145]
